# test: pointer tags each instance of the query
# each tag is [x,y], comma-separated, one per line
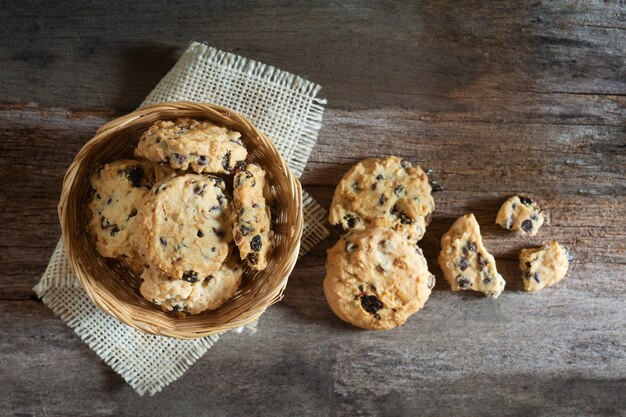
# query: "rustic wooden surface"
[496,97]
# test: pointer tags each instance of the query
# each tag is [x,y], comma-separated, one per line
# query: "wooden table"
[496,97]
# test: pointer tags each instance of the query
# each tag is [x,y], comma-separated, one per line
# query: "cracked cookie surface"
[465,262]
[186,143]
[251,216]
[384,192]
[183,227]
[521,214]
[544,266]
[375,279]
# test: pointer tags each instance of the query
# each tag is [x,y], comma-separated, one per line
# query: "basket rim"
[70,180]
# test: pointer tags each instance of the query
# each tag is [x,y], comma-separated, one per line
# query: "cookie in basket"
[193,296]
[375,279]
[117,191]
[201,146]
[183,228]
[251,216]
[384,192]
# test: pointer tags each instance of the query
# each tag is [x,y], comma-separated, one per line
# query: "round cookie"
[251,216]
[375,279]
[208,293]
[117,192]
[384,192]
[183,227]
[187,143]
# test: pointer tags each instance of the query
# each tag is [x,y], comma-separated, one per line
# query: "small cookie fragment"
[251,216]
[192,144]
[521,214]
[183,228]
[384,192]
[465,262]
[117,191]
[544,266]
[375,279]
[193,296]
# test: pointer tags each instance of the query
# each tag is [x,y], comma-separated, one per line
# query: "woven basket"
[115,290]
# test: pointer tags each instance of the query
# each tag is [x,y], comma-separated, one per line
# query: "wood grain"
[495,97]
[366,54]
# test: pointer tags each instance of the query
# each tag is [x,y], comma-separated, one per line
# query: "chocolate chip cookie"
[465,262]
[521,214]
[117,191]
[375,279]
[193,295]
[384,192]
[183,227]
[544,266]
[251,216]
[192,144]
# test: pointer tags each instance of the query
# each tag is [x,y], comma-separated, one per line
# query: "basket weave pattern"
[114,289]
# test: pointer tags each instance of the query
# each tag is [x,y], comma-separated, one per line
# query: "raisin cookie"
[187,143]
[183,227]
[465,262]
[193,295]
[521,214]
[117,192]
[544,266]
[384,192]
[251,216]
[375,279]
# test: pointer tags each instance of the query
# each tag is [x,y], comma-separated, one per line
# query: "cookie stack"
[171,217]
[376,275]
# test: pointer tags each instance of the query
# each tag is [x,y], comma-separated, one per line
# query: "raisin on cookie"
[544,266]
[251,216]
[193,295]
[521,214]
[117,192]
[183,227]
[465,262]
[191,144]
[375,279]
[384,192]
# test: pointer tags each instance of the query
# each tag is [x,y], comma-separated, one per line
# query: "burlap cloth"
[283,106]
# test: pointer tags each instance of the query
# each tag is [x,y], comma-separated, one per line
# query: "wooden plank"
[495,97]
[522,354]
[366,55]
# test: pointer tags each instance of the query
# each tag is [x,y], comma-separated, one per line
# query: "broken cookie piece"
[544,266]
[465,262]
[521,214]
